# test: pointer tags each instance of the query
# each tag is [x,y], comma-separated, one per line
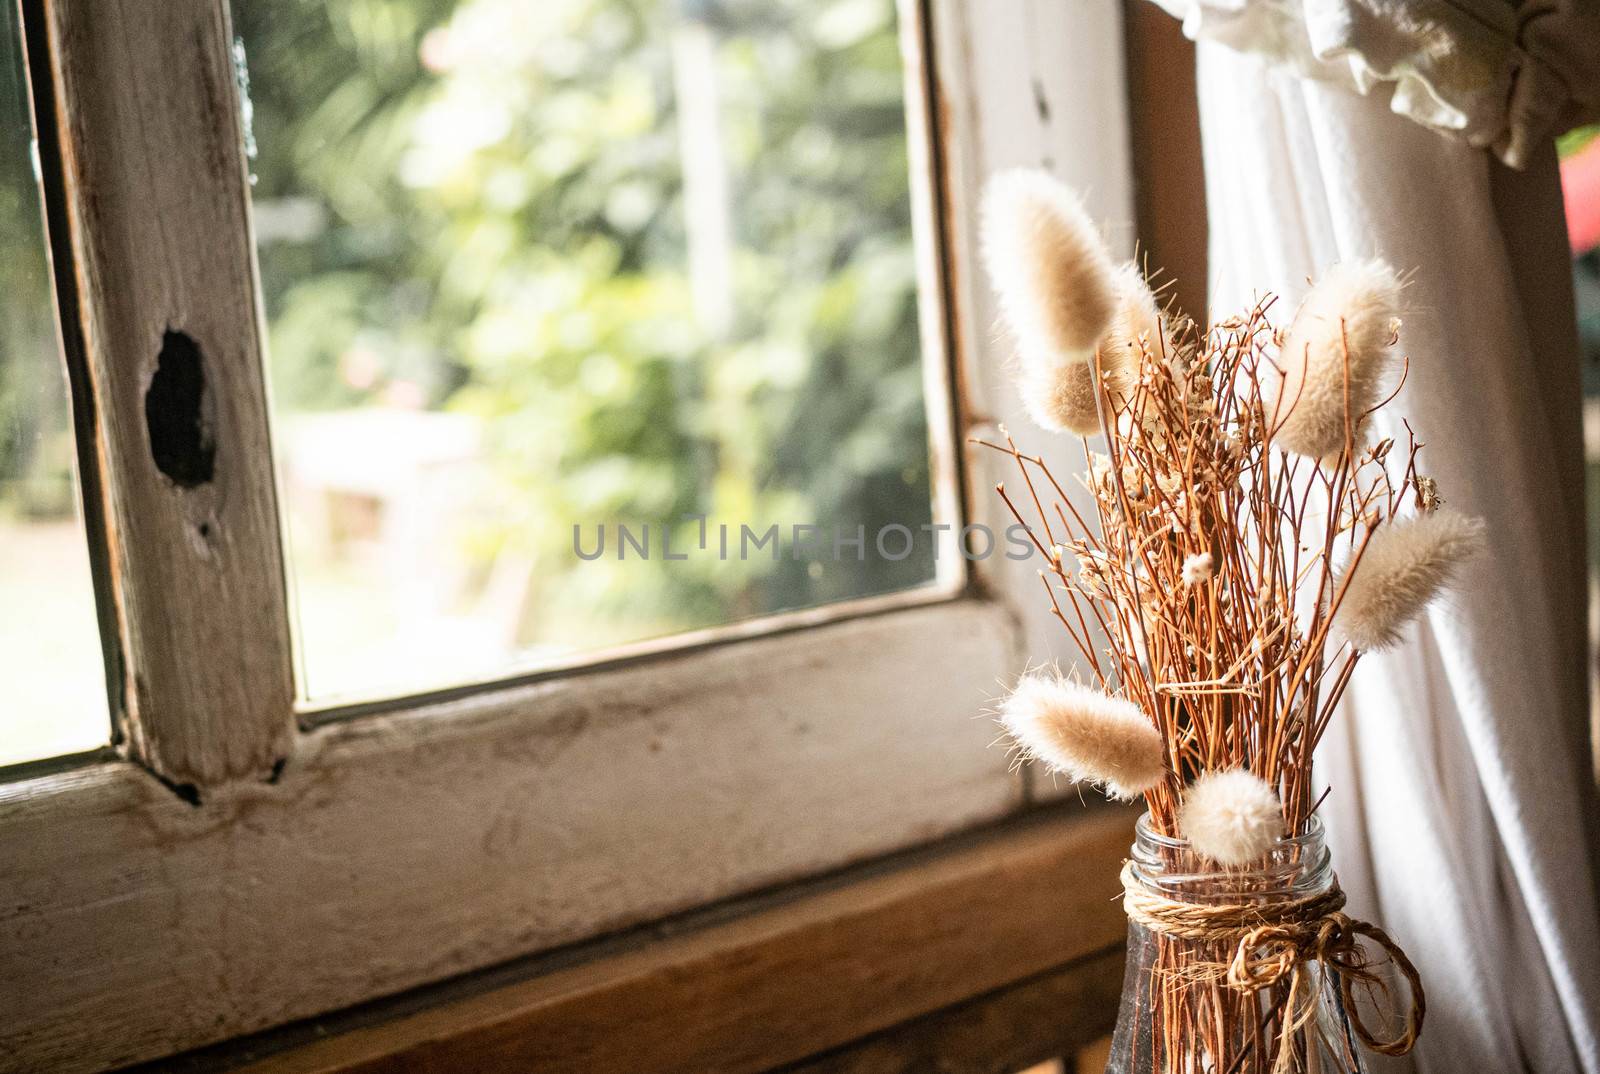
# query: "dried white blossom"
[1406,564]
[1099,467]
[1232,816]
[1094,572]
[1049,267]
[1428,498]
[1335,356]
[1084,734]
[1197,568]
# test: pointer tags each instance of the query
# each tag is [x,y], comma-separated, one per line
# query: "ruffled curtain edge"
[1466,68]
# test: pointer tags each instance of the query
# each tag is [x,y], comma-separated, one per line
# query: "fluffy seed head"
[1135,322]
[1084,734]
[1049,267]
[1197,568]
[1060,398]
[1231,817]
[1406,564]
[1351,311]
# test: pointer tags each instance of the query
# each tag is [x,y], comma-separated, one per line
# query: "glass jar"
[1181,1014]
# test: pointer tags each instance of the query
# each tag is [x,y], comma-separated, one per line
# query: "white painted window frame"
[236,865]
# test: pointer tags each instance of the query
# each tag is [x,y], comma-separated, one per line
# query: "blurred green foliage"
[35,442]
[1575,139]
[480,205]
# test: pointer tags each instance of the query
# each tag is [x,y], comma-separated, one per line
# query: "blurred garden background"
[1580,185]
[583,262]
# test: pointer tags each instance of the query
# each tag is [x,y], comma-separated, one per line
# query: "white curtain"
[1502,75]
[1463,812]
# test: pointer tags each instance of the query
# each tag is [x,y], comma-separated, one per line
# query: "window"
[553,290]
[49,640]
[262,847]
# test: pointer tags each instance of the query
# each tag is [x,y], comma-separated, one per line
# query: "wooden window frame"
[985,952]
[234,865]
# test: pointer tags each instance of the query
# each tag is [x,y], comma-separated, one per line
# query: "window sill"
[1003,944]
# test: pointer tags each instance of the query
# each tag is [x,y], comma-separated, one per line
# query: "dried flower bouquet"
[1246,544]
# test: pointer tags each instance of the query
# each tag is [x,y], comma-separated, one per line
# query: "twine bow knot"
[1275,942]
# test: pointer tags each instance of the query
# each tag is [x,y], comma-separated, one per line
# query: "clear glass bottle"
[1180,1016]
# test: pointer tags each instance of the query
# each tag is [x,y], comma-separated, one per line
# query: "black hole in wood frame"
[181,444]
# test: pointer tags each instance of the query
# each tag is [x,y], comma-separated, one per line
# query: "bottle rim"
[1296,865]
[1144,831]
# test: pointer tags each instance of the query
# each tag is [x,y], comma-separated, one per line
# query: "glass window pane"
[581,263]
[52,679]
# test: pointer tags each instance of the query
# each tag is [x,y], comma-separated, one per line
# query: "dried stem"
[1234,669]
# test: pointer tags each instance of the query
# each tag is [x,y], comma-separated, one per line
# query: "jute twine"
[1274,942]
